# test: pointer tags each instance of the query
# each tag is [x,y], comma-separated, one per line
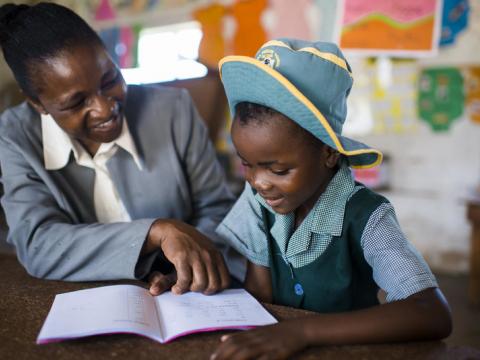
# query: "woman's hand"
[277,341]
[159,283]
[198,264]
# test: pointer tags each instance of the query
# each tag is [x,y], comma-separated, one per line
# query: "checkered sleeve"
[243,228]
[398,268]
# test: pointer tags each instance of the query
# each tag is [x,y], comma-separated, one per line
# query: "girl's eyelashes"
[280,172]
[275,172]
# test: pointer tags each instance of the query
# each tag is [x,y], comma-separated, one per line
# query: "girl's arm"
[258,282]
[422,316]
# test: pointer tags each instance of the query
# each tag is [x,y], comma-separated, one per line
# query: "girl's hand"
[277,341]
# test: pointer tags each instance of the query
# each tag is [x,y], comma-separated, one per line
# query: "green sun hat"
[306,81]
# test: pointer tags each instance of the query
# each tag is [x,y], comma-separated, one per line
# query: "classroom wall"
[433,174]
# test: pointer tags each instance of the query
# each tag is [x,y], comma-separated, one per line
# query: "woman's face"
[84,91]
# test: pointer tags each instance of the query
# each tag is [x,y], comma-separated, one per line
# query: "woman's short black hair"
[32,34]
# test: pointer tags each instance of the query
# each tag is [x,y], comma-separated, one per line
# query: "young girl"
[315,239]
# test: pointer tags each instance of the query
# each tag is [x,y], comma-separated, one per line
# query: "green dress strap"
[338,280]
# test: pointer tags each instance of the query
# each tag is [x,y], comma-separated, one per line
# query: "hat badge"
[269,58]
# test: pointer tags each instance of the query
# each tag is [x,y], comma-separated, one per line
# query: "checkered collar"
[325,218]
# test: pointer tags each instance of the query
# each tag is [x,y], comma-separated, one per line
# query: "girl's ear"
[331,157]
[37,106]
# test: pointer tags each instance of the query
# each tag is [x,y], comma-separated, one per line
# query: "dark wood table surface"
[25,302]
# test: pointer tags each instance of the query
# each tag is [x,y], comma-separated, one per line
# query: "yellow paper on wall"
[472,97]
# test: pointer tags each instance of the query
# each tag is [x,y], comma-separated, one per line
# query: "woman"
[100,180]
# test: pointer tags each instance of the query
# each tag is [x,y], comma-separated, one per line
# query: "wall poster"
[407,28]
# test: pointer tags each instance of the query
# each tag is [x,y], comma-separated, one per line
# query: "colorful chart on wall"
[472,101]
[127,8]
[440,97]
[110,36]
[230,29]
[213,45]
[393,106]
[454,20]
[289,21]
[249,35]
[408,28]
[383,106]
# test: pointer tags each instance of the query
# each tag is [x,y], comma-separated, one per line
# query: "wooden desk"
[473,214]
[25,302]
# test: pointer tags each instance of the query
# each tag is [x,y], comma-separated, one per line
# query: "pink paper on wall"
[404,11]
[397,28]
[288,20]
[127,51]
[104,11]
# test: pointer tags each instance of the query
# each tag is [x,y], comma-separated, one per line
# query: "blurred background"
[416,97]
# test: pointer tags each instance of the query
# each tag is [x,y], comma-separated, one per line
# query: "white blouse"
[57,146]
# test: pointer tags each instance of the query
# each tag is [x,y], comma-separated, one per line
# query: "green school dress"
[340,279]
[349,245]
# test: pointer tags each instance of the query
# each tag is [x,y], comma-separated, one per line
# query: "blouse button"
[298,289]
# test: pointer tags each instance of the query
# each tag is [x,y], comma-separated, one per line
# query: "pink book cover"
[131,309]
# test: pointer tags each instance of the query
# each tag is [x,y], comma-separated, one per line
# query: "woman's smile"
[111,125]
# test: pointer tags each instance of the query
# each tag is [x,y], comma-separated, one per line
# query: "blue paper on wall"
[454,20]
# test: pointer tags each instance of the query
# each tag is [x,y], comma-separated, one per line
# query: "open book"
[131,309]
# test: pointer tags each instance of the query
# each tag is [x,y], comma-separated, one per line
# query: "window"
[167,53]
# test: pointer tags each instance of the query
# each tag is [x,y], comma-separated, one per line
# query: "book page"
[194,312]
[102,310]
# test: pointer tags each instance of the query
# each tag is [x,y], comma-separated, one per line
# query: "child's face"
[284,167]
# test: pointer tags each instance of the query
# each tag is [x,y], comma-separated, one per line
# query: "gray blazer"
[51,215]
